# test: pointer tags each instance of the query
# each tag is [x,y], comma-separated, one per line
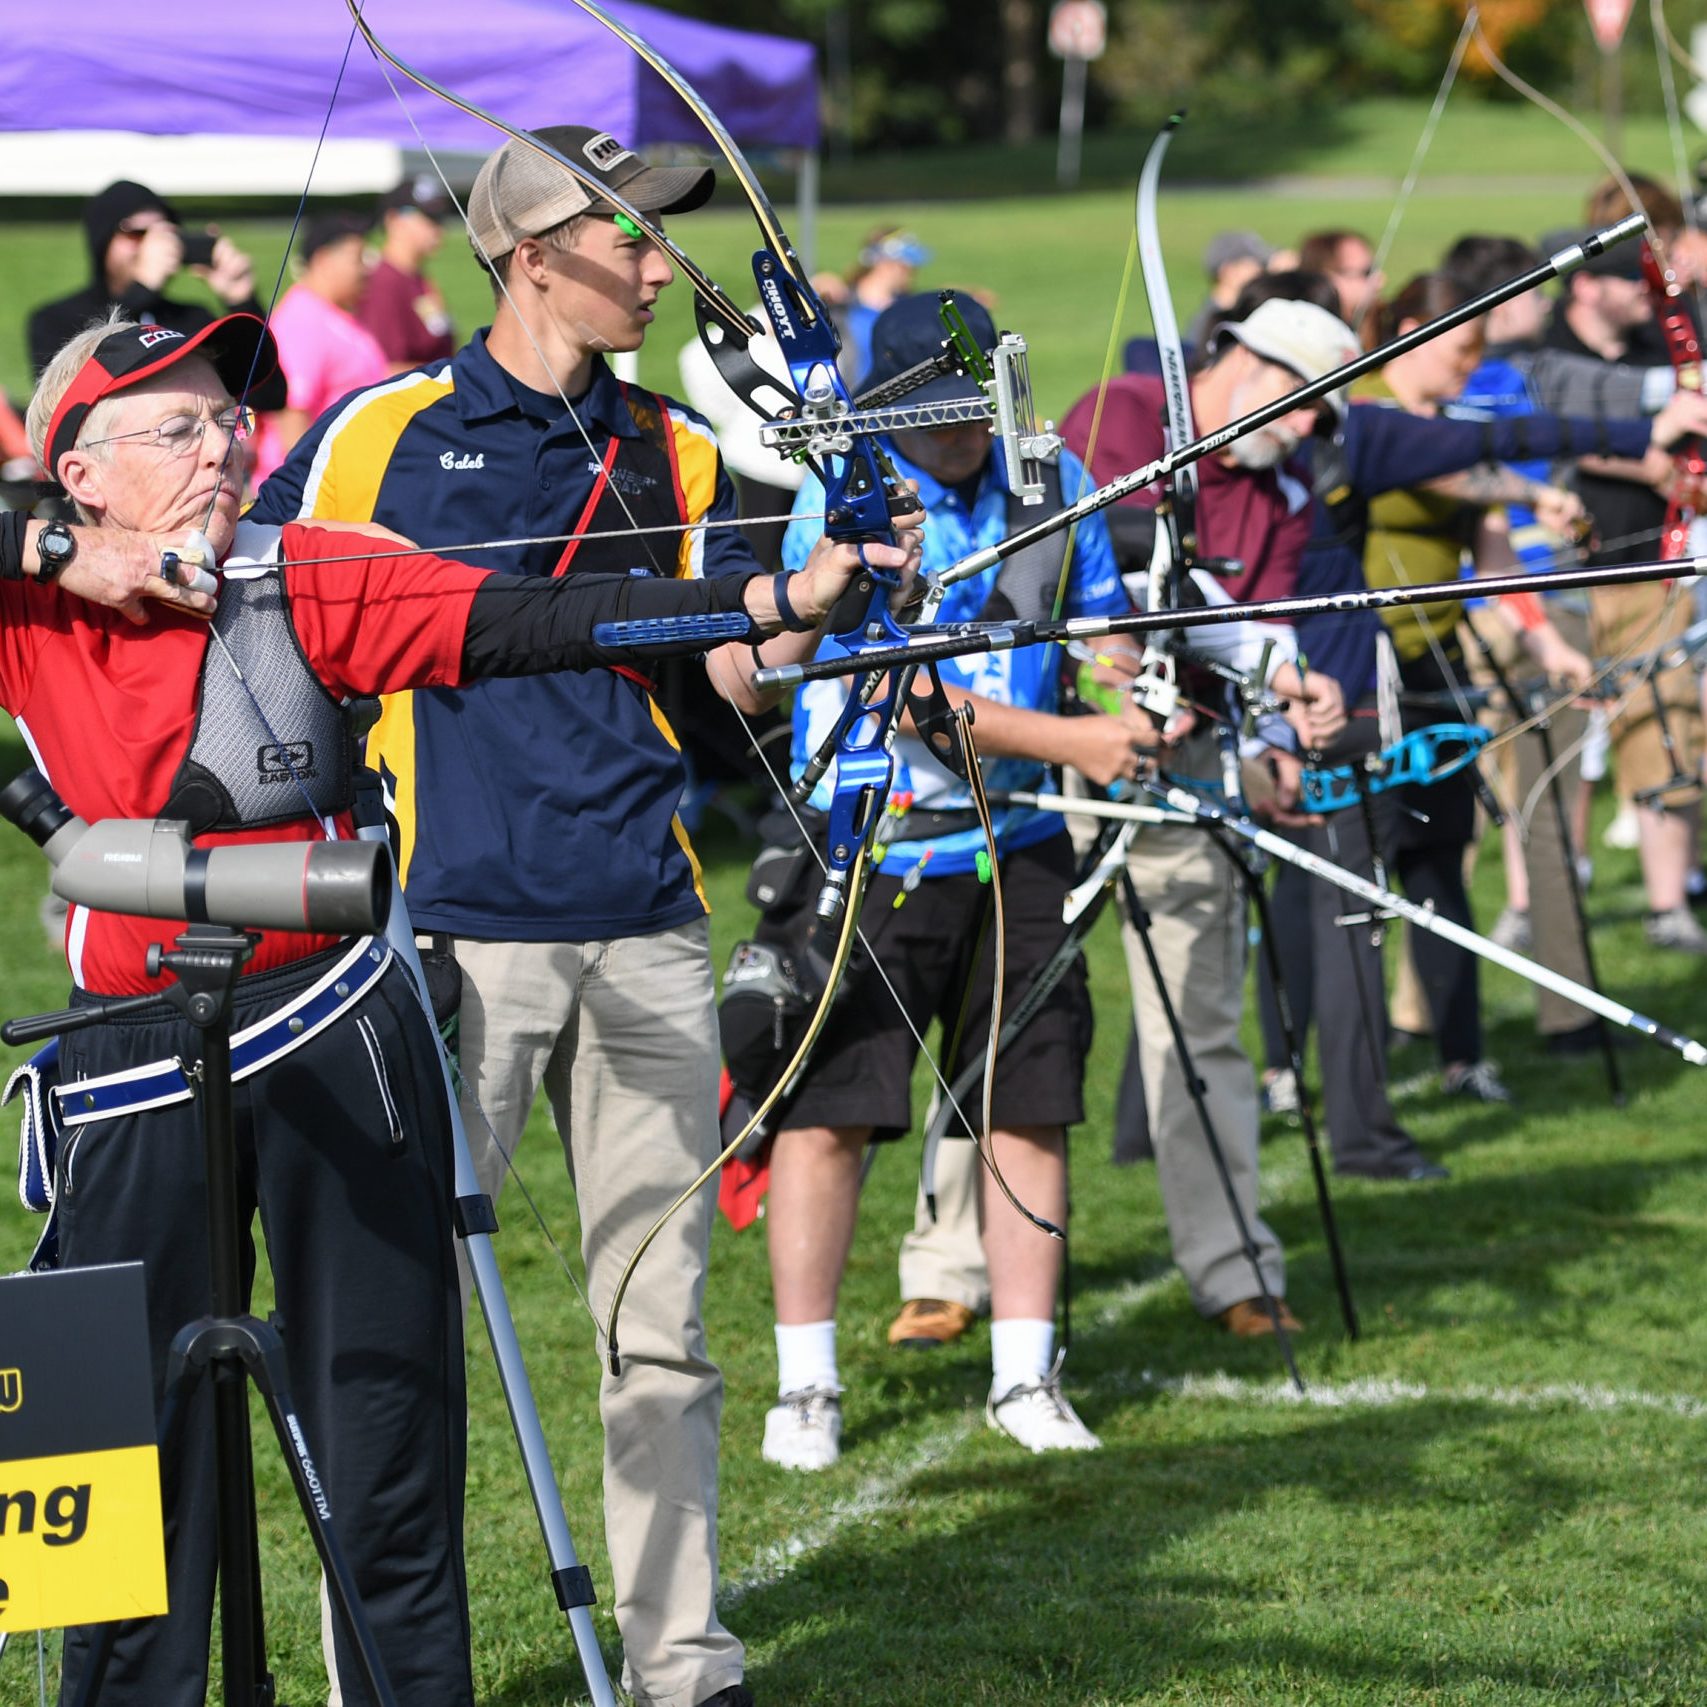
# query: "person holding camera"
[136,706]
[137,246]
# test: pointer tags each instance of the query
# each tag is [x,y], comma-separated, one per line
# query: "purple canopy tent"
[206,67]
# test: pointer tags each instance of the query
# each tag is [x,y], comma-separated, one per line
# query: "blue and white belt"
[161,1083]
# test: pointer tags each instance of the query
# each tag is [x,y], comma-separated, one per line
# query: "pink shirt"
[325,353]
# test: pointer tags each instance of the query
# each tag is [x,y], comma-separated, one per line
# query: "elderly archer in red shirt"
[136,705]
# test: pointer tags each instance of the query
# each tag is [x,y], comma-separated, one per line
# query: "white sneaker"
[803,1431]
[1623,831]
[1038,1416]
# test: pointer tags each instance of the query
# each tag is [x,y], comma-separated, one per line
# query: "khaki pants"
[1552,915]
[1196,907]
[1197,924]
[1639,618]
[945,1258]
[623,1036]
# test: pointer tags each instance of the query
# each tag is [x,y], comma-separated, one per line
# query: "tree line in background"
[908,72]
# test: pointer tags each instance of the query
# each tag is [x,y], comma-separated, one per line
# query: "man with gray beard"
[1249,511]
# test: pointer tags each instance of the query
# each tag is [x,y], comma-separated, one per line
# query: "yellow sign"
[80,1539]
[80,1528]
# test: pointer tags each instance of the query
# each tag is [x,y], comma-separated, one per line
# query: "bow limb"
[1156,687]
[1684,500]
[1571,122]
[715,299]
[795,1066]
[1396,216]
[770,226]
[1170,346]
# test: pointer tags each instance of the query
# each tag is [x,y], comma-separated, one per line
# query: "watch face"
[56,545]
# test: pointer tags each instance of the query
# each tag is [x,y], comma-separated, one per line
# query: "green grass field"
[1494,1496]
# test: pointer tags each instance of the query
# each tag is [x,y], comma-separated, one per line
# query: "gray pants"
[623,1036]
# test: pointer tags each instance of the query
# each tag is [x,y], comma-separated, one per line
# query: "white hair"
[56,380]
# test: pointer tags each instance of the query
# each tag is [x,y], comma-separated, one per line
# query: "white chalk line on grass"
[878,1493]
[883,1492]
[1378,1392]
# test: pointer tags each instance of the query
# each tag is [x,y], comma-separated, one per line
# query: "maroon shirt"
[407,315]
[1260,518]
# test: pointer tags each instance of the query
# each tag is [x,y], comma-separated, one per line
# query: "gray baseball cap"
[520,192]
[1226,247]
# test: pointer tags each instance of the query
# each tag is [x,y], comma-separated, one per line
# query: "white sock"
[806,1357]
[1020,1353]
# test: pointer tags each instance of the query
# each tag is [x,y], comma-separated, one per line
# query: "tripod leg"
[240,1622]
[1295,1056]
[262,1354]
[1140,921]
[476,1220]
[571,1580]
[182,1377]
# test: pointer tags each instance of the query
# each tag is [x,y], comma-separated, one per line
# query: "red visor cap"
[240,348]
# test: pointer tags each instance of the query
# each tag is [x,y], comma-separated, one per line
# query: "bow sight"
[824,425]
[835,435]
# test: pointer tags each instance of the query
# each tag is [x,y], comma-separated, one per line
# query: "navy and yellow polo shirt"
[536,808]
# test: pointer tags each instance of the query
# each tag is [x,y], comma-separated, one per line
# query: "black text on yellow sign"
[80,1526]
[80,1539]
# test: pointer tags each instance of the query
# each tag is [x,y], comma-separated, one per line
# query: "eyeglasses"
[178,435]
[138,228]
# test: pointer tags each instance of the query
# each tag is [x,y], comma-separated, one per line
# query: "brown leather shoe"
[927,1322]
[1249,1319]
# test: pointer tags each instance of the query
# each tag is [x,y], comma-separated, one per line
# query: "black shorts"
[938,950]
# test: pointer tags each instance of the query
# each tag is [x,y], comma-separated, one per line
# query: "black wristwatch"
[56,545]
